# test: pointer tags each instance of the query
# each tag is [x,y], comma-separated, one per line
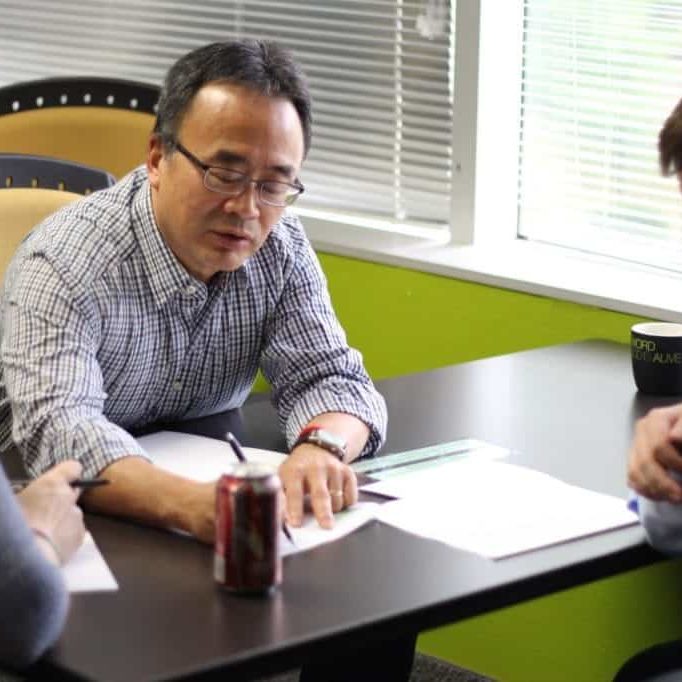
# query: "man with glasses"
[160,298]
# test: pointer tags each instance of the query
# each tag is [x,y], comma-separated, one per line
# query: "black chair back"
[24,170]
[78,91]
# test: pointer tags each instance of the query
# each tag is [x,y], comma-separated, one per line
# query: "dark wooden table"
[567,410]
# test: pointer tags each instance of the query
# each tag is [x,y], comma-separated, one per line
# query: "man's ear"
[155,158]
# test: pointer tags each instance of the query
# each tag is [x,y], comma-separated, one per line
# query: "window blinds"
[380,72]
[599,80]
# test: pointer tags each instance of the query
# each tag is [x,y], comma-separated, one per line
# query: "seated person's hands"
[49,506]
[330,484]
[655,453]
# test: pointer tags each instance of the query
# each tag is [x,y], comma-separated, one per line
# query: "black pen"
[88,482]
[18,484]
[234,443]
[229,437]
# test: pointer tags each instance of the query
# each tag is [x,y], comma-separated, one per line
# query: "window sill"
[522,266]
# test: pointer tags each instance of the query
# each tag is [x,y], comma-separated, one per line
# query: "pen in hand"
[234,443]
[18,484]
[88,482]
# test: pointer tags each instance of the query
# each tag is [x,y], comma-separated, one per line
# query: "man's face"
[232,127]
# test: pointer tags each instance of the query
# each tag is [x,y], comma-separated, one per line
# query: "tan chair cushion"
[20,211]
[115,140]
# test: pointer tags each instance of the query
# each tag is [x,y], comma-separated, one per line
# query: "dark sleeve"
[33,597]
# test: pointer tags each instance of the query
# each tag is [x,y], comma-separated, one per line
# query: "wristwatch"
[324,439]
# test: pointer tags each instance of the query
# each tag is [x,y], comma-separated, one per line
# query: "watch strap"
[318,435]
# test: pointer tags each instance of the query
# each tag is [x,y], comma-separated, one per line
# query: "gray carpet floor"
[425,669]
[430,669]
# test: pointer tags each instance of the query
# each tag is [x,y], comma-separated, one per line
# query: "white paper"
[87,571]
[310,534]
[497,509]
[197,457]
[206,459]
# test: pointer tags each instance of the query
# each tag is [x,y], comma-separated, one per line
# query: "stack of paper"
[496,509]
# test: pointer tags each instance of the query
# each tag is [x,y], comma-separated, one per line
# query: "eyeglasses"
[232,183]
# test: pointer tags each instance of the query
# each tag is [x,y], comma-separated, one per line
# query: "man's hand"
[49,506]
[330,484]
[656,451]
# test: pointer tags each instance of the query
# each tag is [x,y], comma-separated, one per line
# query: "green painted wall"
[580,635]
[406,321]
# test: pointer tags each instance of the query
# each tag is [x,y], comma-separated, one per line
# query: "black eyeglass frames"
[232,183]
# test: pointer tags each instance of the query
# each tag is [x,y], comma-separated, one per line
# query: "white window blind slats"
[599,198]
[365,168]
[382,92]
[338,140]
[423,164]
[335,109]
[592,68]
[599,79]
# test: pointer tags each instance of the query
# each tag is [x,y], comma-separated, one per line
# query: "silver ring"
[336,493]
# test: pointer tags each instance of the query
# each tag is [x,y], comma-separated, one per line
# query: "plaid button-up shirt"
[103,331]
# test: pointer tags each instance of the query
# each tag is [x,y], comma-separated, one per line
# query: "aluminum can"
[247,558]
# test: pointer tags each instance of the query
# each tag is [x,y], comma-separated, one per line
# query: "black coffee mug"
[656,349]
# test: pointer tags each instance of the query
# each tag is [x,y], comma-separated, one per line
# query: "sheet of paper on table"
[496,509]
[197,457]
[205,459]
[87,571]
[310,534]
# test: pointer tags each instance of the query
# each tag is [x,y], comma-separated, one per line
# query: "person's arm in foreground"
[656,452]
[39,529]
[655,474]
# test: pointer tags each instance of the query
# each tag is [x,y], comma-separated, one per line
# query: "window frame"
[483,244]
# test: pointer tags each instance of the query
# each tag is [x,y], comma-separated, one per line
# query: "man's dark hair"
[262,66]
[670,142]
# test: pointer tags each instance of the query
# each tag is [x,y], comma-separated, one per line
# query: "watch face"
[331,438]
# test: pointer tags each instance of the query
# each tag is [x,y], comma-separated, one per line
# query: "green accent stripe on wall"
[580,635]
[406,321]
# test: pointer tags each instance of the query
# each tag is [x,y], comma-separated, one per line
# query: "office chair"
[21,210]
[101,122]
[23,170]
[659,663]
[33,187]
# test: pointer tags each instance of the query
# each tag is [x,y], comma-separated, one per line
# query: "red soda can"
[247,558]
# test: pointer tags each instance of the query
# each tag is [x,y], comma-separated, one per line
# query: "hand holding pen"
[49,505]
[18,484]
